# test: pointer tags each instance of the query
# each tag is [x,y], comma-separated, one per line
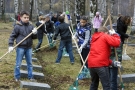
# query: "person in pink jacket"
[97,21]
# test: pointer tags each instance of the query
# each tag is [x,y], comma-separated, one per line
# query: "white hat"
[97,13]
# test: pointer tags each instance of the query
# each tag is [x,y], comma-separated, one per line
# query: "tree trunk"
[3,17]
[31,8]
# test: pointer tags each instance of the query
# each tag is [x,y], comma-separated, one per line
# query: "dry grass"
[59,77]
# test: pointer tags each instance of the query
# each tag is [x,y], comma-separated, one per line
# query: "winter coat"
[40,31]
[122,29]
[63,30]
[101,48]
[49,27]
[20,32]
[97,21]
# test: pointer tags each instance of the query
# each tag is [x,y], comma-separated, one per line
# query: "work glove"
[51,35]
[10,49]
[112,31]
[73,37]
[116,64]
[80,50]
[53,41]
[34,31]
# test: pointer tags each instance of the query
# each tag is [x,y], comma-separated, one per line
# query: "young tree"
[31,8]
[3,10]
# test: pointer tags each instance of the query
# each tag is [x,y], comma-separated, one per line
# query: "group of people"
[99,47]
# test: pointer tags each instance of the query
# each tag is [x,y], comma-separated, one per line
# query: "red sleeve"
[113,40]
[110,62]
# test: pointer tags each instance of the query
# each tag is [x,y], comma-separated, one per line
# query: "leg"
[61,46]
[103,74]
[39,43]
[84,54]
[94,79]
[69,50]
[113,78]
[28,56]
[19,56]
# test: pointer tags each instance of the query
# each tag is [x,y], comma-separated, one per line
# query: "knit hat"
[97,13]
[67,12]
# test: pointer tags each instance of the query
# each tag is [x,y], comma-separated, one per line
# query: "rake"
[125,56]
[122,85]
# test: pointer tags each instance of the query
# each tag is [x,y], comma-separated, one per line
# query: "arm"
[13,35]
[56,33]
[119,29]
[113,40]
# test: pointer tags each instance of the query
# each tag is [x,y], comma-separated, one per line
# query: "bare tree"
[3,10]
[31,8]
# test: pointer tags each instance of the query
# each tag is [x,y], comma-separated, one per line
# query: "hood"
[96,36]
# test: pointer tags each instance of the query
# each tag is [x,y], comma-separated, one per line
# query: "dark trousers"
[101,73]
[84,53]
[113,78]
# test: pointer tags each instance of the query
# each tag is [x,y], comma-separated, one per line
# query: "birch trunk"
[31,8]
[3,10]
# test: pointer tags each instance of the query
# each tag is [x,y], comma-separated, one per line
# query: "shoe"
[32,80]
[17,80]
[72,63]
[66,55]
[57,63]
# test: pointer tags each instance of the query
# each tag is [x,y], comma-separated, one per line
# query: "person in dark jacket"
[49,29]
[40,32]
[66,40]
[20,31]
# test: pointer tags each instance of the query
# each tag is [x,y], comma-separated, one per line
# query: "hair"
[84,18]
[24,12]
[126,19]
[102,29]
[61,19]
[41,18]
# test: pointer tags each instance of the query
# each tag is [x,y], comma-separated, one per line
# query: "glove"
[80,50]
[34,31]
[51,35]
[73,37]
[53,41]
[111,32]
[116,64]
[10,49]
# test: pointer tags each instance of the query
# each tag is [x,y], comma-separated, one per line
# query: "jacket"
[20,32]
[83,34]
[122,29]
[97,22]
[63,30]
[49,27]
[40,31]
[101,48]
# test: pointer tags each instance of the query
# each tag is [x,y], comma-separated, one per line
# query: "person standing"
[121,28]
[98,59]
[97,21]
[83,34]
[40,32]
[66,40]
[49,29]
[24,49]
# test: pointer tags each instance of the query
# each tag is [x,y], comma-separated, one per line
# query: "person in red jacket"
[98,59]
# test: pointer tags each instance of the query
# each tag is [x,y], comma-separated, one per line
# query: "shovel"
[125,56]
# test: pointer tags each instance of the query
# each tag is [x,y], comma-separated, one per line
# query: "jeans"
[39,43]
[68,45]
[50,37]
[101,73]
[113,78]
[20,52]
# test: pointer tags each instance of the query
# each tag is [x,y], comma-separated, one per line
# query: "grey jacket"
[20,32]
